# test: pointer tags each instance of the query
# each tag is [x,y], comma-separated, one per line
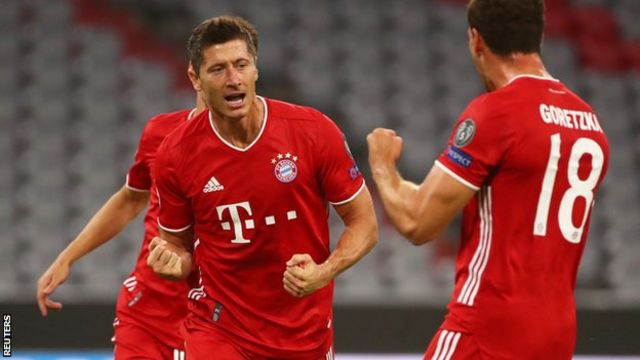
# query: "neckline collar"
[537,77]
[191,114]
[264,125]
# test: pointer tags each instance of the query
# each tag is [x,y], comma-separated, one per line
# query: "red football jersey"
[156,303]
[536,153]
[252,209]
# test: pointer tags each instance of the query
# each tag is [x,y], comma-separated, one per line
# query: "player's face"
[227,79]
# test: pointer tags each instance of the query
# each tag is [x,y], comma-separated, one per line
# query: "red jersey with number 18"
[253,208]
[536,154]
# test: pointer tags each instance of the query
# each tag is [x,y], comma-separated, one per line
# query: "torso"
[524,233]
[253,208]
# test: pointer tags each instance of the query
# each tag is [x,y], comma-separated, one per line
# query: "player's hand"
[385,147]
[55,275]
[303,276]
[165,259]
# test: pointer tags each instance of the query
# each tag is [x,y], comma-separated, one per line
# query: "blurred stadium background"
[79,78]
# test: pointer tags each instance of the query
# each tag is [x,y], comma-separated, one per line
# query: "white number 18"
[578,188]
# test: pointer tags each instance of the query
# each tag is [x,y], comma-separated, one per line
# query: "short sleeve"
[476,146]
[139,175]
[175,214]
[340,178]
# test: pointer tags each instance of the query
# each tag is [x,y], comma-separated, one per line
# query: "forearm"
[398,198]
[358,238]
[354,243]
[110,220]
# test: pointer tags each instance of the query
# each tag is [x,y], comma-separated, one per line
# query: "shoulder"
[487,120]
[176,146]
[580,102]
[185,135]
[161,125]
[497,108]
[301,119]
[487,109]
[292,112]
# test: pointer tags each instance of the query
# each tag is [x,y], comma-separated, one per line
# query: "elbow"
[132,202]
[418,235]
[371,236]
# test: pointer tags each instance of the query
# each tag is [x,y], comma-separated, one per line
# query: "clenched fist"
[303,276]
[385,147]
[168,260]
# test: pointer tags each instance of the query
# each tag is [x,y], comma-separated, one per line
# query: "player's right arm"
[170,254]
[481,138]
[114,215]
[419,212]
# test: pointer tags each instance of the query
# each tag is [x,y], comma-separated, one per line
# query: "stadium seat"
[72,127]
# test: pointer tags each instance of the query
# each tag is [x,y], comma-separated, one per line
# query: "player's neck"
[200,105]
[509,67]
[240,132]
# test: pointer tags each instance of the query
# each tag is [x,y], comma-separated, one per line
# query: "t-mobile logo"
[247,223]
[237,222]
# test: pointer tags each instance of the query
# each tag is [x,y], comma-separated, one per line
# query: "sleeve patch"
[464,133]
[354,172]
[459,157]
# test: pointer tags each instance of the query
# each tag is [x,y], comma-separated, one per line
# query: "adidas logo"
[213,185]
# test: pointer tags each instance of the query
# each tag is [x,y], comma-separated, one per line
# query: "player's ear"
[476,42]
[194,78]
[255,61]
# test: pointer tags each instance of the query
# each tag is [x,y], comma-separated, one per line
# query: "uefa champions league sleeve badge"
[464,133]
[285,168]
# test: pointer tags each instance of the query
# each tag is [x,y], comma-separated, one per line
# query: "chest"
[267,183]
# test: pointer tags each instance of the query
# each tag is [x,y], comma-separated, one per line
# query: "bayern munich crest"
[285,169]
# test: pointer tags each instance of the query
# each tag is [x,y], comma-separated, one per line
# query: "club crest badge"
[285,168]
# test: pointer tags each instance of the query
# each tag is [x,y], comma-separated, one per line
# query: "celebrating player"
[149,309]
[252,177]
[524,162]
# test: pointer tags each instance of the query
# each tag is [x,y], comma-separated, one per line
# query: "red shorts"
[452,345]
[133,342]
[202,341]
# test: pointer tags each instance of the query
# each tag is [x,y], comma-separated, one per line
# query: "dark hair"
[219,30]
[508,26]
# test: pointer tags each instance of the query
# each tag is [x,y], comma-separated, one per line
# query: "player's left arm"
[419,212]
[343,186]
[303,276]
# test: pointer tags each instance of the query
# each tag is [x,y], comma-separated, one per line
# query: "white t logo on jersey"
[237,221]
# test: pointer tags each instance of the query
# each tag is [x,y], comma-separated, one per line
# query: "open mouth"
[236,99]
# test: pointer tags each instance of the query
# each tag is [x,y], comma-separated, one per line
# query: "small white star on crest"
[295,158]
[279,156]
[287,155]
[273,161]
